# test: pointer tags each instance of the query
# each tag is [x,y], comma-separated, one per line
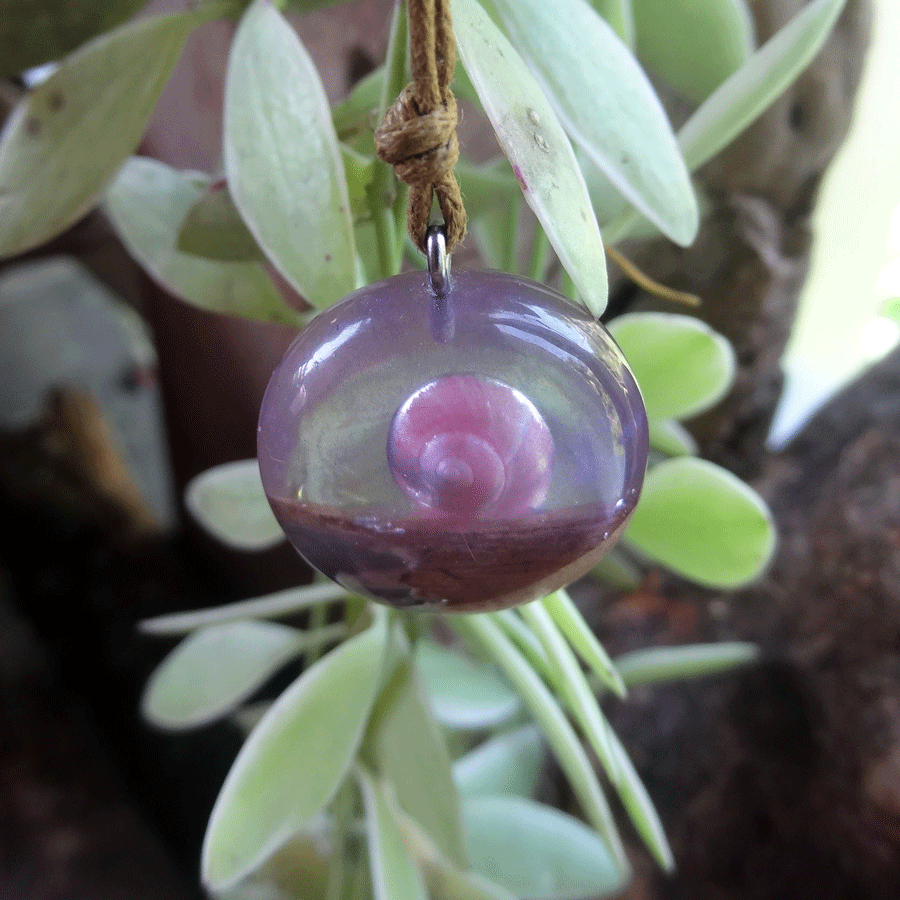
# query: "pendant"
[461,444]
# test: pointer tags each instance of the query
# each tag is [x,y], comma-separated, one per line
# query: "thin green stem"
[511,237]
[382,193]
[540,253]
[342,813]
[483,631]
[318,617]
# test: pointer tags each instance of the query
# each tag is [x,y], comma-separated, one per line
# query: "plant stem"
[567,286]
[342,810]
[382,194]
[511,237]
[318,616]
[540,253]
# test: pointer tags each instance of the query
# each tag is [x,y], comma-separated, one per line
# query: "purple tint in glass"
[466,453]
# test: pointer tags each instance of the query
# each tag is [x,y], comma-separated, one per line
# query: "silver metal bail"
[438,259]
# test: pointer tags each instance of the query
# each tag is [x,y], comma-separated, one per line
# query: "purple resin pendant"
[464,450]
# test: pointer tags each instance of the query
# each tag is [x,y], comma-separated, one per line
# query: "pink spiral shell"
[471,447]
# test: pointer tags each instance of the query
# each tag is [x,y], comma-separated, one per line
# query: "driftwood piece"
[783,781]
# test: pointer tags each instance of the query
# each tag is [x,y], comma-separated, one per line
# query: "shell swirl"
[471,448]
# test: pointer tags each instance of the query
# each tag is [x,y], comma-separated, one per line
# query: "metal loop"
[438,259]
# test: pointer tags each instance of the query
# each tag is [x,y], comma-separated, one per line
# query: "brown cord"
[418,134]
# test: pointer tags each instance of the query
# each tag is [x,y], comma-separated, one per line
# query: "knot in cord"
[418,134]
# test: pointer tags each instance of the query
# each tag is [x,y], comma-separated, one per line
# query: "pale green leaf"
[509,763]
[406,747]
[640,808]
[271,606]
[571,623]
[282,159]
[147,204]
[562,738]
[445,881]
[523,637]
[571,683]
[532,138]
[702,522]
[64,143]
[663,664]
[295,760]
[607,106]
[672,438]
[213,228]
[681,365]
[395,875]
[536,851]
[38,31]
[744,96]
[298,871]
[693,45]
[229,503]
[214,670]
[463,693]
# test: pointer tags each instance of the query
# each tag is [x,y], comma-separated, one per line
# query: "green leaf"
[282,158]
[359,170]
[406,747]
[691,661]
[607,105]
[214,670]
[487,186]
[63,143]
[571,683]
[566,746]
[271,606]
[229,503]
[620,15]
[509,763]
[571,623]
[670,437]
[395,875]
[445,881]
[640,808]
[355,112]
[299,871]
[147,204]
[491,230]
[681,365]
[536,851]
[703,523]
[530,135]
[759,82]
[213,228]
[38,31]
[295,760]
[693,45]
[463,693]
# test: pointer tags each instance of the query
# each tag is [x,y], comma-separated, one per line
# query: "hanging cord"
[418,134]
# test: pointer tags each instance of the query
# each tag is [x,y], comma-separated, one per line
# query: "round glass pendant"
[465,449]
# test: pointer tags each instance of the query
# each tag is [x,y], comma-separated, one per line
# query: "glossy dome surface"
[467,453]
